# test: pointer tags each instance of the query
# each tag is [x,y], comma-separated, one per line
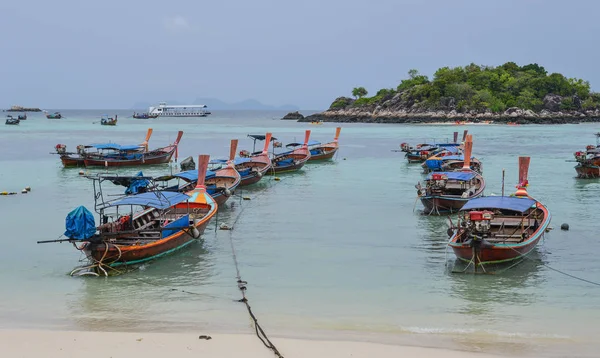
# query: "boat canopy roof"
[192,175]
[310,143]
[460,176]
[448,145]
[500,202]
[260,137]
[115,146]
[153,199]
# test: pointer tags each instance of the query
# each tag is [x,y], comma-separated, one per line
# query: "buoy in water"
[564,227]
[4,193]
[224,226]
[81,172]
[344,158]
[28,188]
[24,191]
[276,178]
[246,198]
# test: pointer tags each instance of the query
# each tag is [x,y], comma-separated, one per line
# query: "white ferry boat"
[188,110]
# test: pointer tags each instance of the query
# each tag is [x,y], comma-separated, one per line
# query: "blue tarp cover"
[500,202]
[434,163]
[283,163]
[80,224]
[463,176]
[183,221]
[153,199]
[192,175]
[135,185]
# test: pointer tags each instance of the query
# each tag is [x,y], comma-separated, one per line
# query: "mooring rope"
[557,270]
[260,333]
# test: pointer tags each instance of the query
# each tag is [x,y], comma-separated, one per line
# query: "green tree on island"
[482,88]
[359,92]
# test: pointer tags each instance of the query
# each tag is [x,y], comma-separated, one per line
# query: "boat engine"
[590,147]
[244,153]
[277,144]
[404,147]
[438,181]
[479,222]
[61,148]
[425,154]
[580,156]
[81,149]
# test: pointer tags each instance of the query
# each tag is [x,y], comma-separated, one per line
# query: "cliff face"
[401,108]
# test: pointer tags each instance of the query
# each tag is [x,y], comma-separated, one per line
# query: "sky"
[111,54]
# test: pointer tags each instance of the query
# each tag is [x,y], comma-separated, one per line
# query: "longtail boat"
[291,160]
[161,223]
[55,115]
[10,120]
[124,157]
[324,151]
[418,153]
[450,191]
[22,117]
[588,161]
[500,229]
[421,152]
[106,121]
[252,167]
[77,159]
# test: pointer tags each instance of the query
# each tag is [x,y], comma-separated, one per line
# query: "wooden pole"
[502,181]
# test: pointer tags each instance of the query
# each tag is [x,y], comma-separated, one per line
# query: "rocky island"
[22,109]
[505,94]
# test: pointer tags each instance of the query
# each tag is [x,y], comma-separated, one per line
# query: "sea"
[339,250]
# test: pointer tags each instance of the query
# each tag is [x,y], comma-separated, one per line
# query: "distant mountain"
[217,104]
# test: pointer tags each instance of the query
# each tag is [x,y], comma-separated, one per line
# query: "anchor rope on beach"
[260,333]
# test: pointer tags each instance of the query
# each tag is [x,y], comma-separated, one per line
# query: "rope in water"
[545,265]
[559,271]
[260,333]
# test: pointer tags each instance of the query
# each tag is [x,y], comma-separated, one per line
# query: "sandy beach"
[34,343]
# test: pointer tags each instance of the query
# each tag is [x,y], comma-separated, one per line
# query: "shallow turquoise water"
[335,250]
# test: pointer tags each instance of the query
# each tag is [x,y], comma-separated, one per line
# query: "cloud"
[176,24]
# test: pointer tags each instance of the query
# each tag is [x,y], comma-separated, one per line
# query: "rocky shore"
[397,110]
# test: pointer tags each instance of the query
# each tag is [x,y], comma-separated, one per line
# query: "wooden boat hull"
[502,252]
[588,171]
[300,157]
[161,156]
[250,179]
[325,156]
[228,179]
[263,163]
[441,204]
[69,161]
[413,158]
[324,152]
[288,168]
[134,254]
